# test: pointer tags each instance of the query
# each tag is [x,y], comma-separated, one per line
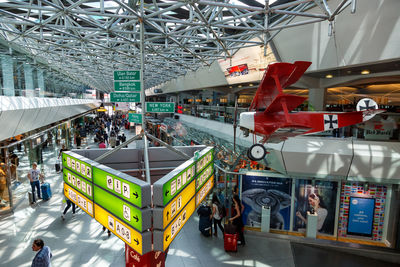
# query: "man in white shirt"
[33,176]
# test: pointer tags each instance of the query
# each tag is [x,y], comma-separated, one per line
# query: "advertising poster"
[258,191]
[361,216]
[321,198]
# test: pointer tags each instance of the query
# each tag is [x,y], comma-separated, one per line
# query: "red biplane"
[269,114]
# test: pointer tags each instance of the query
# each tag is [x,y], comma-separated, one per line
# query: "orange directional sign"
[202,193]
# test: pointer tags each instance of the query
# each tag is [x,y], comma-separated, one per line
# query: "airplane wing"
[269,95]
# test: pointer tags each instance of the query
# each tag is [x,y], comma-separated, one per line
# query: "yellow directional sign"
[84,203]
[120,229]
[177,203]
[202,193]
[173,229]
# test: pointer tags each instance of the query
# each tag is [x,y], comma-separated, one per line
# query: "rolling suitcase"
[30,197]
[46,191]
[230,242]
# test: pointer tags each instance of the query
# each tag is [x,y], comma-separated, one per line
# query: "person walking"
[43,255]
[33,176]
[69,204]
[216,214]
[236,219]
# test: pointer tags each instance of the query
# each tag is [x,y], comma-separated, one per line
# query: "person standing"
[216,216]
[236,219]
[33,176]
[42,258]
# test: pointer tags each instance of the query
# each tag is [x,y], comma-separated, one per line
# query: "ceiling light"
[364,72]
[239,86]
[251,84]
[329,76]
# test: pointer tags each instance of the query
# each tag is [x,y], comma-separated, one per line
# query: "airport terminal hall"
[199,133]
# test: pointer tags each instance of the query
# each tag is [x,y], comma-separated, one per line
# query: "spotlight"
[329,76]
[365,72]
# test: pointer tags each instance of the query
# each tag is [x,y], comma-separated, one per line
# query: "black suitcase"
[58,166]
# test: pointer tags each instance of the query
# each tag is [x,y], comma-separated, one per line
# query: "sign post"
[160,107]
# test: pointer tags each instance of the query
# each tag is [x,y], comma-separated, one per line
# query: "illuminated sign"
[141,243]
[206,156]
[78,164]
[162,217]
[139,219]
[85,204]
[203,176]
[170,185]
[124,186]
[162,239]
[204,190]
[78,183]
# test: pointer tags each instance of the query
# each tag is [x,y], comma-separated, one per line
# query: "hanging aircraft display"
[271,111]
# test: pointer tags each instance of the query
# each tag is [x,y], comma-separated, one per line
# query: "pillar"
[29,89]
[7,67]
[40,78]
[316,99]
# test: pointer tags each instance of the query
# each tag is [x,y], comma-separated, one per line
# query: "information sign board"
[128,188]
[126,75]
[78,164]
[166,188]
[361,216]
[204,175]
[139,219]
[160,107]
[135,117]
[206,156]
[124,97]
[127,86]
[78,183]
[163,216]
[203,192]
[84,203]
[162,239]
[140,242]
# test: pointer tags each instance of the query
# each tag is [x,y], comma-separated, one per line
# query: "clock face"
[257,152]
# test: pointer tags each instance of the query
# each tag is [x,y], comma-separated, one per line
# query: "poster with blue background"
[361,216]
[258,191]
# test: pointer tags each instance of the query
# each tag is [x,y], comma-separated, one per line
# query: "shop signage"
[127,86]
[160,107]
[140,219]
[171,184]
[140,242]
[162,217]
[84,203]
[124,97]
[162,239]
[135,117]
[202,193]
[126,75]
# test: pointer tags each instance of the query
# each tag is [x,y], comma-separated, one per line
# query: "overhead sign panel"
[78,164]
[160,107]
[126,75]
[205,157]
[139,219]
[84,203]
[203,192]
[124,97]
[127,86]
[135,117]
[163,216]
[204,175]
[162,239]
[128,188]
[166,188]
[78,183]
[140,242]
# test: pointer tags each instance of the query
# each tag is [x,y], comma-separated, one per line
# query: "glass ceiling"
[88,39]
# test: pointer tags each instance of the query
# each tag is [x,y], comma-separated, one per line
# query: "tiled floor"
[80,241]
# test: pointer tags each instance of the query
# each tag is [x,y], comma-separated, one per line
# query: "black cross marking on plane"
[330,121]
[367,106]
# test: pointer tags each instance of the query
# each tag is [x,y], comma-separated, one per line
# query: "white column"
[29,90]
[316,97]
[40,77]
[7,68]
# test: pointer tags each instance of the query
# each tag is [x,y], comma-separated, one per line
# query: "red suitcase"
[230,242]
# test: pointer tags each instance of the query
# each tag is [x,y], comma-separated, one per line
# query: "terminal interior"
[59,84]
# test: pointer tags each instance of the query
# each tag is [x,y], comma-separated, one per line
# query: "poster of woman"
[321,199]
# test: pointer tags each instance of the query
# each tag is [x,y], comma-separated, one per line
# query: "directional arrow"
[167,214]
[166,238]
[166,193]
[136,218]
[135,194]
[137,241]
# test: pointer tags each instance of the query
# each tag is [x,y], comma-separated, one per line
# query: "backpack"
[221,210]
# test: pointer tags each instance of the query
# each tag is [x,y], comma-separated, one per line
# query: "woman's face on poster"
[313,200]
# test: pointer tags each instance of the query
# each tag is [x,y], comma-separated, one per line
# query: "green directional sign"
[78,164]
[127,188]
[127,86]
[124,97]
[126,75]
[78,183]
[135,117]
[160,107]
[123,210]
